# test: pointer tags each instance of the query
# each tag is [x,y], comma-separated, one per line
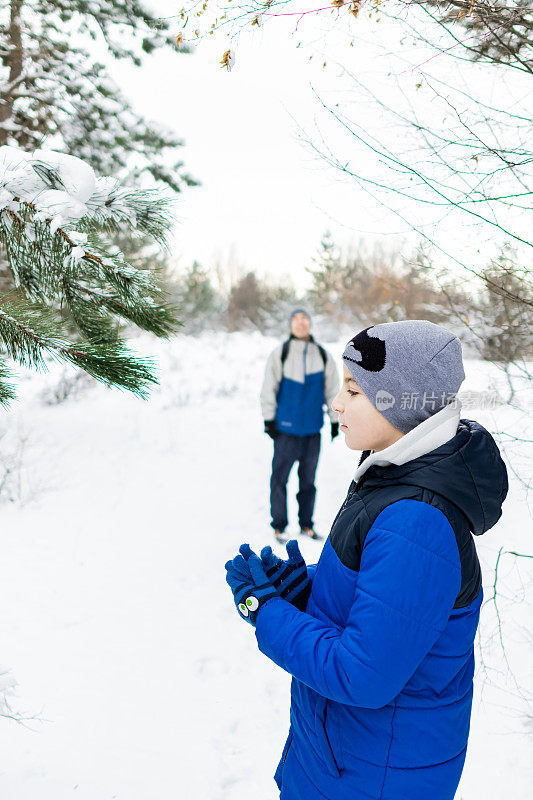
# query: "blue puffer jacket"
[383,658]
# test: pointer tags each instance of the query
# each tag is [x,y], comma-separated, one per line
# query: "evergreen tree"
[341,283]
[326,274]
[51,84]
[198,300]
[55,221]
[507,310]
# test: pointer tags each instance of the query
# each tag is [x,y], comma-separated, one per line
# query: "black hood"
[467,470]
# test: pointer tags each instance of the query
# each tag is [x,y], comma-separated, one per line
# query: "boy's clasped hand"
[254,581]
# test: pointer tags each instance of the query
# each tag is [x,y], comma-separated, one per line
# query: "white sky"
[265,198]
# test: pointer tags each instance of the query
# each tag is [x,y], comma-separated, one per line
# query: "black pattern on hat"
[373,351]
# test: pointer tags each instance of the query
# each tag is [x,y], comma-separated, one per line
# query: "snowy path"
[115,616]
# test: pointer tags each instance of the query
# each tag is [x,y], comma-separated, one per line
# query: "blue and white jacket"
[383,656]
[294,393]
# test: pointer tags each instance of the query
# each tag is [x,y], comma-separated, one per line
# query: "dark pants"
[287,450]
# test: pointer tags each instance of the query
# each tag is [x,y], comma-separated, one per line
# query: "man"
[300,378]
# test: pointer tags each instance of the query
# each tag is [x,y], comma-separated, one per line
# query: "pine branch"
[7,392]
[144,211]
[45,268]
[28,332]
[75,273]
[157,317]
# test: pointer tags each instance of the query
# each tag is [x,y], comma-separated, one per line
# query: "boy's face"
[363,426]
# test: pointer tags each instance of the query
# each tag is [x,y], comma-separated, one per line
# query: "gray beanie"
[409,370]
[299,311]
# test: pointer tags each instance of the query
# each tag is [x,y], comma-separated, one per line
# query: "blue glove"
[289,577]
[249,584]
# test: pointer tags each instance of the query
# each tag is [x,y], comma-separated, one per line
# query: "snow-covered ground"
[115,618]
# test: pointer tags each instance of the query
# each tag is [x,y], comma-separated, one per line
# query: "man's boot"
[312,534]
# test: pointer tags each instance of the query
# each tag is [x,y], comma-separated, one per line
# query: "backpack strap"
[285,352]
[323,354]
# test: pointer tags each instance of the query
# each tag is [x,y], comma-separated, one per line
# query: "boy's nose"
[336,405]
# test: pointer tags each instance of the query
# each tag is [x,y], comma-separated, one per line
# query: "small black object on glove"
[270,428]
[334,430]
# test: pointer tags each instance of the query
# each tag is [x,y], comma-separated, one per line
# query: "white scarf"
[430,434]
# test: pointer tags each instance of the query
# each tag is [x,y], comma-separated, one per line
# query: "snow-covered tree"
[54,83]
[56,217]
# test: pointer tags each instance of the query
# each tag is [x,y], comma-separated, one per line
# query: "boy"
[380,643]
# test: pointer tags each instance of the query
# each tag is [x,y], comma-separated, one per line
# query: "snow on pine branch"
[53,212]
[54,217]
[64,191]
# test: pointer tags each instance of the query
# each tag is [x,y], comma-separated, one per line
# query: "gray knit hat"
[409,370]
[299,310]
